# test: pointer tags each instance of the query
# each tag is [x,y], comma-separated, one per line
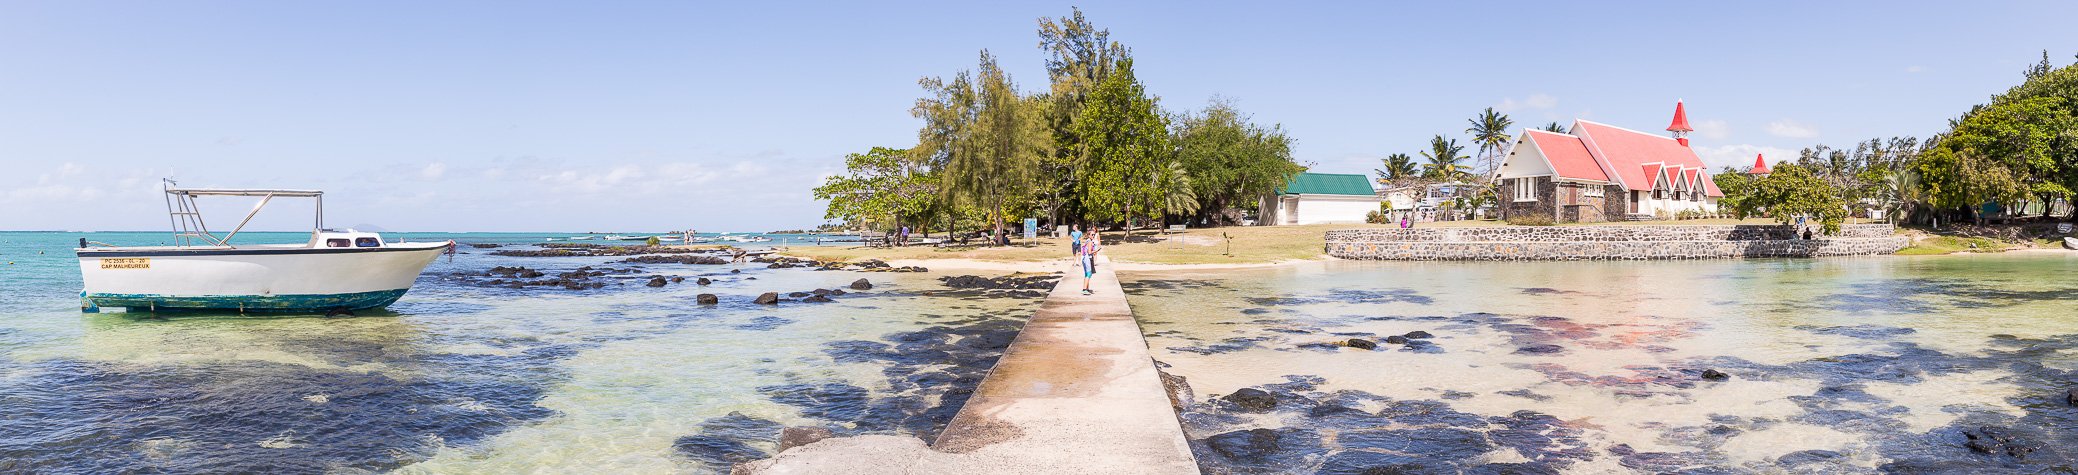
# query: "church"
[1598,172]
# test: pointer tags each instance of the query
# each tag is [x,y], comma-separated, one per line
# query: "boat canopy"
[245,192]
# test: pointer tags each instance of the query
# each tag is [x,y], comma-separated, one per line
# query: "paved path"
[1077,392]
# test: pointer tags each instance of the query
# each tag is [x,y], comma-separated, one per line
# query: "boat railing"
[186,217]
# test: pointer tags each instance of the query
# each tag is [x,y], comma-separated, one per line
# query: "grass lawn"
[1932,245]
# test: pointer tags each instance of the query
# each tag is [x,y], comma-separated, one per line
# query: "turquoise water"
[461,377]
[1837,365]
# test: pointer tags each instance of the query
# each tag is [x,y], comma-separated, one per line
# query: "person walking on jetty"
[1075,241]
[1089,259]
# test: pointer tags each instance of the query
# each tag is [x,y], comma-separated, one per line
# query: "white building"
[1320,198]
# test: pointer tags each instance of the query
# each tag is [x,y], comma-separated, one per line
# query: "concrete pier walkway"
[1076,392]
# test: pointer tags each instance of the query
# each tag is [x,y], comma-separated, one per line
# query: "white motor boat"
[336,270]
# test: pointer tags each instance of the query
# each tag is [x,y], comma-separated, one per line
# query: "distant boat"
[2071,243]
[583,238]
[616,237]
[336,270]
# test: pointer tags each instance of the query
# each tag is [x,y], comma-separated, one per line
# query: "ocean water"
[461,377]
[1948,364]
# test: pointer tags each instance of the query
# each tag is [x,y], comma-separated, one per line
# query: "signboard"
[1031,228]
[126,263]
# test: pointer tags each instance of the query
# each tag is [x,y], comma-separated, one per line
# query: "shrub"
[1375,217]
[1531,220]
[653,241]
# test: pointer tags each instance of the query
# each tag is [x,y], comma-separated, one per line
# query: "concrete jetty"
[1076,392]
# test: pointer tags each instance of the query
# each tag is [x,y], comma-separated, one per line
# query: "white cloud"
[1915,69]
[1740,156]
[1538,101]
[433,171]
[1791,129]
[1713,129]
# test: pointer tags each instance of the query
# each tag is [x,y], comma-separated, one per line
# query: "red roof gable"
[1625,153]
[1680,119]
[1760,166]
[1568,156]
[1652,176]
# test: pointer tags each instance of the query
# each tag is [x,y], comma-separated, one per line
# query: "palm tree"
[1445,162]
[1490,131]
[1398,168]
[1175,185]
[1554,127]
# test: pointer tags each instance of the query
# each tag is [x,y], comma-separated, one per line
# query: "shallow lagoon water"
[1887,364]
[458,377]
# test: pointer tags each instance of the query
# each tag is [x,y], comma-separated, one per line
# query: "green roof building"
[1320,198]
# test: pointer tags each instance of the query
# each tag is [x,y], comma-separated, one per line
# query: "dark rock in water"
[1396,339]
[717,451]
[657,281]
[861,284]
[820,291]
[1539,349]
[1715,375]
[1179,389]
[797,294]
[679,259]
[1362,344]
[1379,463]
[1418,335]
[708,299]
[837,292]
[816,299]
[483,245]
[677,279]
[1252,399]
[1442,443]
[799,436]
[2071,397]
[735,271]
[750,278]
[1244,445]
[1998,441]
[703,281]
[767,298]
[1809,456]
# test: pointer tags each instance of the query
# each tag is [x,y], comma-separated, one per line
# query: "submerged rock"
[1244,445]
[703,281]
[1540,349]
[1998,441]
[1418,335]
[656,281]
[1715,375]
[1179,389]
[1252,399]
[708,299]
[1396,339]
[1362,344]
[2071,397]
[816,299]
[798,436]
[767,298]
[861,284]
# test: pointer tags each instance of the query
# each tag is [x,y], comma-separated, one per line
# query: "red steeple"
[1680,126]
[1680,119]
[1760,166]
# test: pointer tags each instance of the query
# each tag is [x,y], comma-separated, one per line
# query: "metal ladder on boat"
[187,219]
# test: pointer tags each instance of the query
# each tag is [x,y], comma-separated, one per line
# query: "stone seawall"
[1607,242]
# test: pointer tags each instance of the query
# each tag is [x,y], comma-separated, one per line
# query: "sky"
[654,116]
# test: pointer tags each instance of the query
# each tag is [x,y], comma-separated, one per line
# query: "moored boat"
[336,270]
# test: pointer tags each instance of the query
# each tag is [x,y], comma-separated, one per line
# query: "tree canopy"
[1230,161]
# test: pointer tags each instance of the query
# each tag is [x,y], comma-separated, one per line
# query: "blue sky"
[650,116]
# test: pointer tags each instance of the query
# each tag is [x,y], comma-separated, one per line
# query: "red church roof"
[1680,119]
[1760,166]
[1569,157]
[1626,154]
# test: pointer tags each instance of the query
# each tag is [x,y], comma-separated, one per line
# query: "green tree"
[1179,196]
[1079,56]
[1399,170]
[1789,191]
[990,140]
[879,188]
[1490,132]
[1124,142]
[1445,160]
[1230,161]
[1554,127]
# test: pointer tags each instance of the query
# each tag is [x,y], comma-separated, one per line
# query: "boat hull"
[253,280]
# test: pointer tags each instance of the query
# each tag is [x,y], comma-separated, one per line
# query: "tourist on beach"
[1088,254]
[1075,241]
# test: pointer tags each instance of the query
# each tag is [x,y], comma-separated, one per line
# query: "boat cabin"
[347,238]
